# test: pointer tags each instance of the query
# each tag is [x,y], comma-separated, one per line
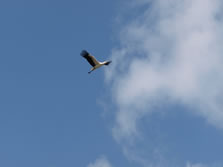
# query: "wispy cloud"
[194,165]
[202,165]
[170,53]
[100,162]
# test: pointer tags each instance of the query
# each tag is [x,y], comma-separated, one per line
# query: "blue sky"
[49,112]
[160,108]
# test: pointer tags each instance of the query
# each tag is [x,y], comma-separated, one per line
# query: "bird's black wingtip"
[84,53]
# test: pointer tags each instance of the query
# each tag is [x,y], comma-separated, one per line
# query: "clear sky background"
[159,104]
[49,115]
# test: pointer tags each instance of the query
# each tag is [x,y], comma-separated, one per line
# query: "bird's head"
[107,62]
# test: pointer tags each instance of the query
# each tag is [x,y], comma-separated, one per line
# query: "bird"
[92,61]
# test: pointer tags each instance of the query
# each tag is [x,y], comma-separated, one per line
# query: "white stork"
[92,61]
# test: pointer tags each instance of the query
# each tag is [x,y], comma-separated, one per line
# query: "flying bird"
[92,61]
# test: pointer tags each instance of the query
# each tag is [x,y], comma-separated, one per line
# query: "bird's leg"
[92,69]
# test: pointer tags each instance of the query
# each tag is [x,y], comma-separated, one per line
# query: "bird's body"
[92,61]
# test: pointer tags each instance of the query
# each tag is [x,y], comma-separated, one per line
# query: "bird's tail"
[107,63]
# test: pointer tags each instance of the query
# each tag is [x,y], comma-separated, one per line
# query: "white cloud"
[172,52]
[176,55]
[100,162]
[195,165]
[202,165]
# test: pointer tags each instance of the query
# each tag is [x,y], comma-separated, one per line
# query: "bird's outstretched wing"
[91,59]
